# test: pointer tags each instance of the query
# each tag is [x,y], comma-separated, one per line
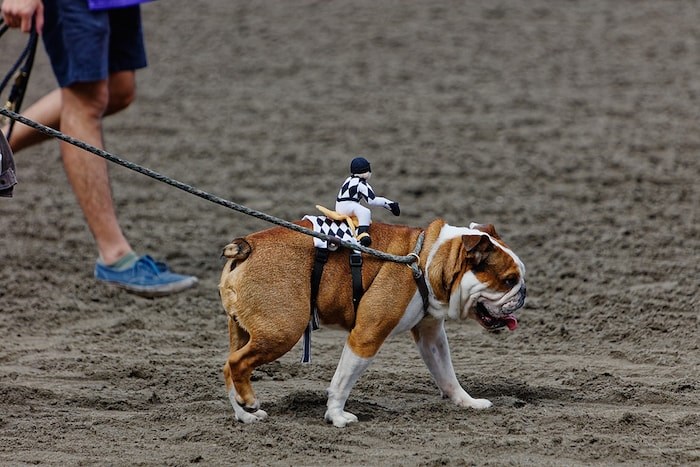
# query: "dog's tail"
[237,251]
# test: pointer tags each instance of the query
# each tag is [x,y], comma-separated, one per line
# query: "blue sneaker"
[146,277]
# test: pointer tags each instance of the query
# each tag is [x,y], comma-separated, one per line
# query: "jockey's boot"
[363,235]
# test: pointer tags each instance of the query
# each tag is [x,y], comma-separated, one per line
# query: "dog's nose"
[516,302]
[522,294]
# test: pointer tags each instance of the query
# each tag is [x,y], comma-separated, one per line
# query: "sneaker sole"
[154,291]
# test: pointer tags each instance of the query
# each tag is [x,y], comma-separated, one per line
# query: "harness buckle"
[355,259]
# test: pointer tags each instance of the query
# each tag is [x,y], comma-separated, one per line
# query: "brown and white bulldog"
[265,289]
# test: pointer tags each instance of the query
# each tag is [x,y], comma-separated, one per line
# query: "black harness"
[320,260]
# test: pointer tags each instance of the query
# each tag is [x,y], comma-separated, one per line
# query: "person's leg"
[83,105]
[47,110]
[122,91]
[94,58]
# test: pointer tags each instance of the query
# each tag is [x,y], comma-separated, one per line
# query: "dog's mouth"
[493,323]
[495,317]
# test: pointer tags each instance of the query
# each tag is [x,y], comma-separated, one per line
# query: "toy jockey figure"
[354,189]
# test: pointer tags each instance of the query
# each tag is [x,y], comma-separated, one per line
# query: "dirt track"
[570,125]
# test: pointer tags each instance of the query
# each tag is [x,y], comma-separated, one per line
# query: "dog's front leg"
[431,341]
[350,367]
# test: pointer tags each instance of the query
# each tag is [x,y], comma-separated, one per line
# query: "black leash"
[3,27]
[408,259]
[24,64]
[412,260]
[23,67]
[21,70]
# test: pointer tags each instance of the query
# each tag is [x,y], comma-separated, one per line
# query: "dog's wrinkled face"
[482,278]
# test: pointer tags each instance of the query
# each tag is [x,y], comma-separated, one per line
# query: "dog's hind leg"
[238,337]
[245,414]
[248,353]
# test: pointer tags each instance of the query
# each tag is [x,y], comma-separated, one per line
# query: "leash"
[11,109]
[407,259]
[21,69]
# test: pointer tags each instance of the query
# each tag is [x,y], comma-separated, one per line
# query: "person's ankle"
[122,263]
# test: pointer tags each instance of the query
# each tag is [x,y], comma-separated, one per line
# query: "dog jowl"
[265,289]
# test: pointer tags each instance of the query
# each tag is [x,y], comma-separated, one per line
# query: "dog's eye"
[510,280]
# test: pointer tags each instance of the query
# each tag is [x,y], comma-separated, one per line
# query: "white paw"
[470,402]
[339,418]
[251,414]
[463,399]
[480,404]
[474,403]
[251,417]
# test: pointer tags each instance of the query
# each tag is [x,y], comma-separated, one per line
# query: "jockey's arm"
[386,203]
[380,201]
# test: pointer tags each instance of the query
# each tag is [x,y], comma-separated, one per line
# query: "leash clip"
[414,265]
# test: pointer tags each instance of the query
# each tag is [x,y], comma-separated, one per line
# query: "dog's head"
[477,275]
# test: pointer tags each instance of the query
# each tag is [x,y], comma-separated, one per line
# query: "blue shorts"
[85,46]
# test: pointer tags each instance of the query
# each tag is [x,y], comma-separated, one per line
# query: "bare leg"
[77,110]
[83,105]
[47,110]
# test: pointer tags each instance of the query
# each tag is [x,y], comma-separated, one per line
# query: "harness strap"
[356,272]
[320,259]
[423,289]
[418,275]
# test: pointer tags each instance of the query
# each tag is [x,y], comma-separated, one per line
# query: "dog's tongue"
[511,322]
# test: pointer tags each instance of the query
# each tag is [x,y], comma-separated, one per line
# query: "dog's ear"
[446,269]
[478,247]
[486,228]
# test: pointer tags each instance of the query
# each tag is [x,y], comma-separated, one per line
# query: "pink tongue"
[511,322]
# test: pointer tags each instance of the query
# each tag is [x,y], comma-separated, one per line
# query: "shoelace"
[157,267]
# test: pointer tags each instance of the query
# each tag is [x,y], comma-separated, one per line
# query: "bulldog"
[265,289]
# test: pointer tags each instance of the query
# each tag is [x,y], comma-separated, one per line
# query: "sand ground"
[570,125]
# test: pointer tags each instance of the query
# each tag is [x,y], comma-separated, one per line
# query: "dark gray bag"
[8,178]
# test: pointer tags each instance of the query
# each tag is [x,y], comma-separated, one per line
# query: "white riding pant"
[351,208]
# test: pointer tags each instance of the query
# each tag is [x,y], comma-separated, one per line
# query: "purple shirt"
[108,4]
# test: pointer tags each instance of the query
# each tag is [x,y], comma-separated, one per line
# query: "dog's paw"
[251,417]
[339,418]
[480,404]
[249,414]
[465,400]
